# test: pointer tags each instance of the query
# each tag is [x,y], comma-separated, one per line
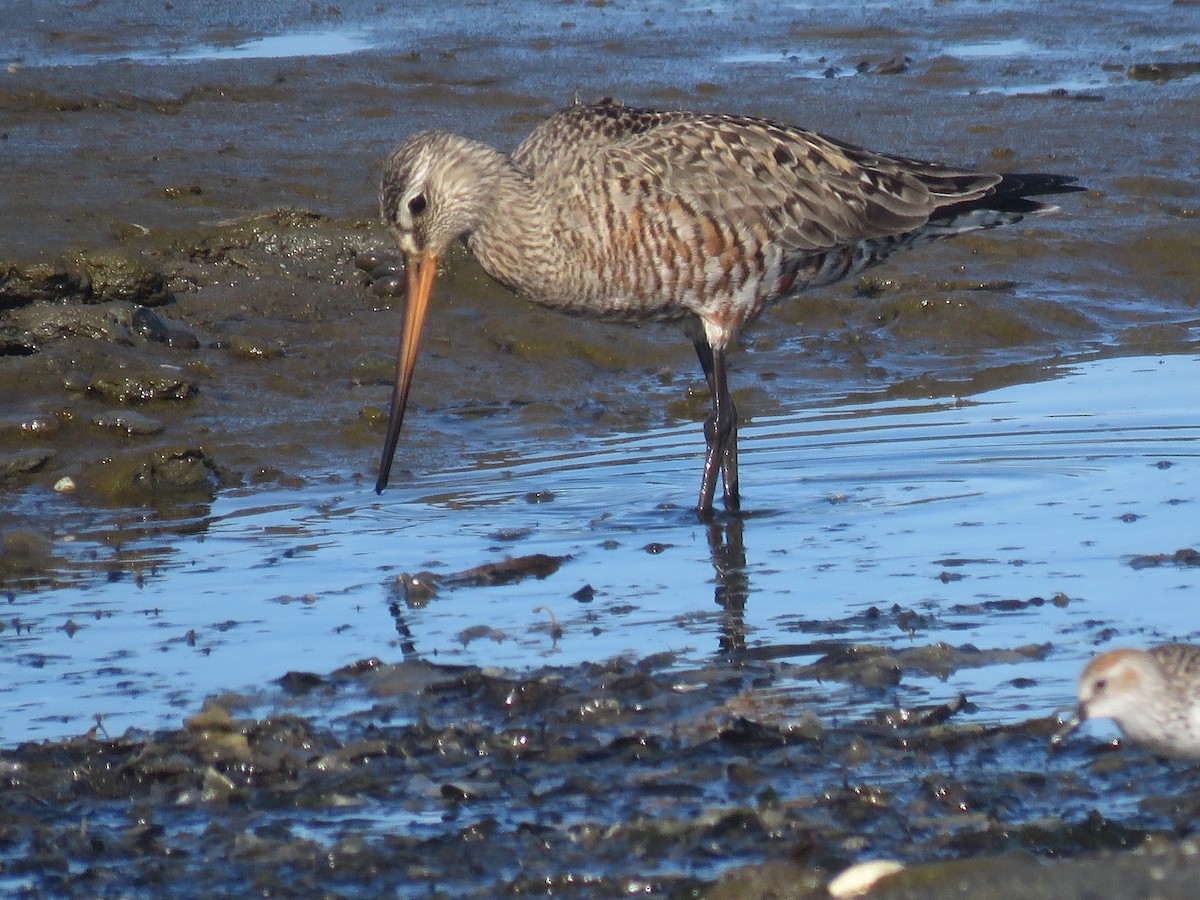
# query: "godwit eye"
[1100,684]
[417,204]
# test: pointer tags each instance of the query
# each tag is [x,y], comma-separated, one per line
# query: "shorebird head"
[435,190]
[1120,685]
[1128,686]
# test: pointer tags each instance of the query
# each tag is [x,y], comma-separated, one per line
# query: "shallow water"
[930,506]
[1034,515]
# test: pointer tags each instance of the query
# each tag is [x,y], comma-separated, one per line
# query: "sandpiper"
[1153,696]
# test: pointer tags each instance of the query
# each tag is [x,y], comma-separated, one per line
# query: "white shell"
[860,878]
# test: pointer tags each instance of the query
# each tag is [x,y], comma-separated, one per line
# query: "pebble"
[387,269]
[389,286]
[370,260]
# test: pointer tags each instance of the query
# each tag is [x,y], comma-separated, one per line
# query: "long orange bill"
[421,268]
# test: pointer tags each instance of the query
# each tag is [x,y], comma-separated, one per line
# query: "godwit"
[639,215]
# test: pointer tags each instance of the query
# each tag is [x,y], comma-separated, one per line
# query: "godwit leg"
[720,431]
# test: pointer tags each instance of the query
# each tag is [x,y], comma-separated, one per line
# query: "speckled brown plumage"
[641,215]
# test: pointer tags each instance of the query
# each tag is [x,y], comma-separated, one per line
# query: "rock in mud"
[140,476]
[254,348]
[95,276]
[113,275]
[125,386]
[127,422]
[23,553]
[1162,71]
[23,461]
[21,284]
[30,425]
[118,322]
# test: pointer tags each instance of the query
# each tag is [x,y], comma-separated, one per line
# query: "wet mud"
[195,301]
[602,780]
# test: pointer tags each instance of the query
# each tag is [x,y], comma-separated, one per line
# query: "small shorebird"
[639,215]
[1153,696]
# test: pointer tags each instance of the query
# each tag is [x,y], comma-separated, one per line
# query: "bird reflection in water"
[410,592]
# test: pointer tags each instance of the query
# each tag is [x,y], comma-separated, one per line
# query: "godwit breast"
[639,215]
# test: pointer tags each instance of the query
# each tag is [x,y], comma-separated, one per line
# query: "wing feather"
[808,191]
